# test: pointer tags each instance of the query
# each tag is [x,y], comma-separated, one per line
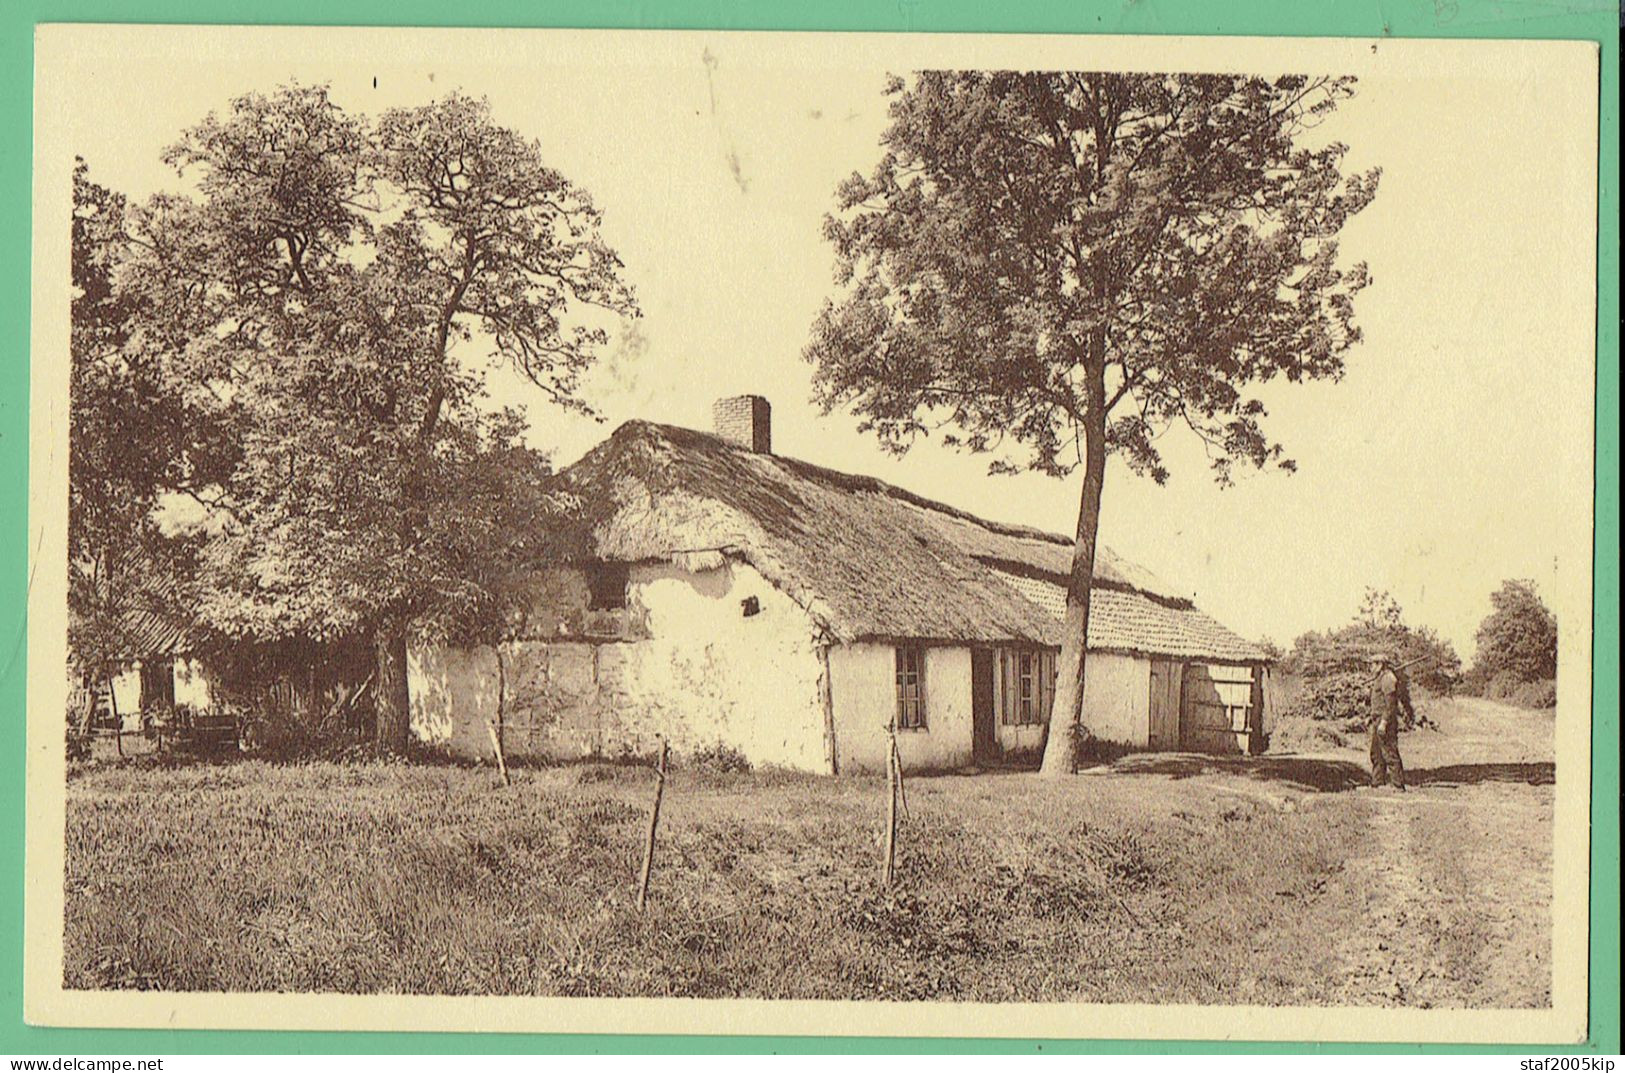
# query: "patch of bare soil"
[1451,901]
[1447,901]
[1443,897]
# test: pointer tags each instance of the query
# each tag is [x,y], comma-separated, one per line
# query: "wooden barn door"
[1164,727]
[1217,708]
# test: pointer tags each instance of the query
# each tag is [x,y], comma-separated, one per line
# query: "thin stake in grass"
[496,746]
[118,720]
[888,869]
[902,784]
[654,822]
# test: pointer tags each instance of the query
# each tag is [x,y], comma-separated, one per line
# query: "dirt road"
[1452,888]
[1444,895]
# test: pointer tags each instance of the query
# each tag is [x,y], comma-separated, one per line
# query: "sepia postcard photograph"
[819,534]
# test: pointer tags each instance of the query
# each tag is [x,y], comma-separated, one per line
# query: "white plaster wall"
[706,675]
[126,686]
[863,686]
[453,693]
[1117,698]
[192,684]
[1023,738]
[710,675]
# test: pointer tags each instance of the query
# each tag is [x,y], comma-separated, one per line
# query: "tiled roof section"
[1131,622]
[1124,620]
[1045,595]
[147,634]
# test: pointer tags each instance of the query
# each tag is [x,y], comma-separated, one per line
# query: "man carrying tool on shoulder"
[1390,694]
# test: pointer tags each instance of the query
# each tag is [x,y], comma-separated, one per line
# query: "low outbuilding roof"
[869,560]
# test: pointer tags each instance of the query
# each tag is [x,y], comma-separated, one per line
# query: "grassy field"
[1158,878]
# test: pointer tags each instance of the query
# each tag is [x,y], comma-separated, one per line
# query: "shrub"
[282,732]
[1296,734]
[1378,628]
[718,757]
[1341,698]
[1538,694]
[78,745]
[1510,688]
[1090,750]
[1500,686]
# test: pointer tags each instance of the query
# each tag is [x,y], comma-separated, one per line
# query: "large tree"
[334,296]
[1518,637]
[1066,264]
[128,429]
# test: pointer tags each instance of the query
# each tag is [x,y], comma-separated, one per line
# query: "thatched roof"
[868,560]
[149,633]
[149,619]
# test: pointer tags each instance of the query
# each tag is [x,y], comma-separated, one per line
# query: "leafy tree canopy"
[1378,629]
[1037,246]
[315,299]
[1518,637]
[128,427]
[326,307]
[1055,266]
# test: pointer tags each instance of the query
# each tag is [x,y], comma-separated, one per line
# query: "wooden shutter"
[1046,685]
[1027,688]
[919,687]
[910,686]
[1006,708]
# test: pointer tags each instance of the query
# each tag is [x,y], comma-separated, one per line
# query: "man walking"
[1389,695]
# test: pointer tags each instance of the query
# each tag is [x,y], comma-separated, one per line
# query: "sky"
[1452,455]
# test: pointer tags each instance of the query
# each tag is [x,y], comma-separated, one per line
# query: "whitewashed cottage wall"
[863,686]
[1117,698]
[706,674]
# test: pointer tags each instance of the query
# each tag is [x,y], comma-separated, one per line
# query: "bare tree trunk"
[390,699]
[1066,716]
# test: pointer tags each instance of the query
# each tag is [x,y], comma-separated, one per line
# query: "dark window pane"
[910,663]
[606,586]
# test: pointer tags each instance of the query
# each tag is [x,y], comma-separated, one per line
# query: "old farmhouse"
[155,667]
[732,597]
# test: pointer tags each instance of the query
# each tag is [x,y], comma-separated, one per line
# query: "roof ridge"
[842,539]
[858,482]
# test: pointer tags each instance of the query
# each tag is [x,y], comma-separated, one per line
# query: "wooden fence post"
[889,868]
[902,783]
[496,744]
[654,822]
[118,720]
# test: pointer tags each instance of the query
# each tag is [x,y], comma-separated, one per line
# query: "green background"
[1578,19]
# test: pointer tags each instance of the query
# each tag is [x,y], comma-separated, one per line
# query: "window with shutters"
[910,687]
[1027,686]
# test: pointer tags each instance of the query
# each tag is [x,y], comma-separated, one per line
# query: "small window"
[157,684]
[910,687]
[606,586]
[1027,689]
[750,605]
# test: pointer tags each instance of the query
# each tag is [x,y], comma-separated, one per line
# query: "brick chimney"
[746,420]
